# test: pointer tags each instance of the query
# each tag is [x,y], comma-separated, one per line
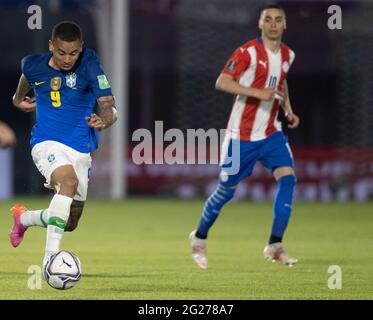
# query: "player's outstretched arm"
[289,114]
[7,136]
[106,113]
[20,98]
[228,84]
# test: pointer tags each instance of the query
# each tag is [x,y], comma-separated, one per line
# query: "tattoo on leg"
[76,211]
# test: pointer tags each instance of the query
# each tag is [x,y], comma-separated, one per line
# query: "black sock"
[200,236]
[274,239]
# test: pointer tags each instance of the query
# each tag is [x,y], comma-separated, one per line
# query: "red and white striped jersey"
[253,65]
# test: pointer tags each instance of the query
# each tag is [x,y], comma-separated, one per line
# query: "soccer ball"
[62,270]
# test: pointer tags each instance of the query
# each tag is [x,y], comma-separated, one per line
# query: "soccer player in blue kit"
[69,84]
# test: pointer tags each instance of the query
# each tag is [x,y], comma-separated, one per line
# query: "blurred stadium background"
[176,49]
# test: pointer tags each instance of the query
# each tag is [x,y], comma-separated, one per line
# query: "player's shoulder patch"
[231,66]
[94,70]
[103,82]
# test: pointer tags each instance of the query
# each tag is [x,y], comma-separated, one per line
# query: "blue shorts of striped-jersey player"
[273,152]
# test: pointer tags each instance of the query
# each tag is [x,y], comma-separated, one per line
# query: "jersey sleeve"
[97,79]
[237,63]
[25,67]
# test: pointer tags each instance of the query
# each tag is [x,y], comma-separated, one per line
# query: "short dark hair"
[272,6]
[67,31]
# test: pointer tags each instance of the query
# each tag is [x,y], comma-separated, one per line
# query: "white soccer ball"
[63,270]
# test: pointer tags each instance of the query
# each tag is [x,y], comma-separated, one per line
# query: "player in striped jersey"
[256,75]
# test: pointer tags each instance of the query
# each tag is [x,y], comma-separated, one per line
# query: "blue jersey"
[65,99]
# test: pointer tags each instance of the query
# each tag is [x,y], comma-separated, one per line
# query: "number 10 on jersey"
[272,82]
[56,99]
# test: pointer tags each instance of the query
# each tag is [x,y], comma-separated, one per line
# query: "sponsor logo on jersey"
[263,63]
[36,83]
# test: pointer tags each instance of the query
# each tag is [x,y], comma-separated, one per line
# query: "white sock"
[58,214]
[35,218]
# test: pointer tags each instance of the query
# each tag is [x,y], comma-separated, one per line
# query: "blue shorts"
[273,152]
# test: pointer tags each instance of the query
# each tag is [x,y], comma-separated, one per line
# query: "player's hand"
[293,120]
[268,94]
[27,104]
[94,121]
[7,136]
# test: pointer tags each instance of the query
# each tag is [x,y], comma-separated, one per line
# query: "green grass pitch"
[138,249]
